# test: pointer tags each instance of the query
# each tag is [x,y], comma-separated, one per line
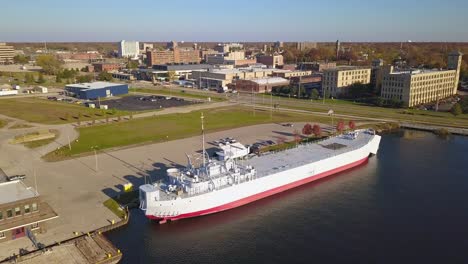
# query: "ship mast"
[203,139]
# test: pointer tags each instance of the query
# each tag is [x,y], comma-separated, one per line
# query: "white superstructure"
[231,182]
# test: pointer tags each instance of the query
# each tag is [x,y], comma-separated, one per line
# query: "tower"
[454,63]
[337,47]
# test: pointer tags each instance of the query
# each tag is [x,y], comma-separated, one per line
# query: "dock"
[89,248]
[430,128]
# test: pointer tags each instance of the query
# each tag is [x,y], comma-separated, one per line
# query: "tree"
[171,75]
[351,125]
[41,78]
[21,59]
[456,109]
[105,76]
[314,94]
[50,64]
[28,78]
[359,90]
[58,79]
[84,78]
[340,126]
[317,130]
[307,129]
[132,64]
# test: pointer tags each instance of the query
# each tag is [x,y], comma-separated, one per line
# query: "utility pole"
[203,139]
[95,157]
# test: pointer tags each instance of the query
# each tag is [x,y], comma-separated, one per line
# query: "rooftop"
[93,85]
[12,191]
[271,80]
[417,71]
[347,68]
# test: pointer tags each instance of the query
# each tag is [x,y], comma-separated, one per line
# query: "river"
[407,204]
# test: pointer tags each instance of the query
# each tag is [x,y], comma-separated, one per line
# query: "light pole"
[95,156]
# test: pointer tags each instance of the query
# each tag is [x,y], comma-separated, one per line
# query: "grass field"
[177,92]
[43,142]
[39,110]
[3,123]
[350,108]
[170,127]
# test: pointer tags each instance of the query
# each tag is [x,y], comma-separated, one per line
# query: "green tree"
[105,76]
[84,78]
[21,59]
[456,109]
[28,78]
[41,79]
[171,75]
[132,64]
[314,94]
[50,64]
[58,79]
[359,90]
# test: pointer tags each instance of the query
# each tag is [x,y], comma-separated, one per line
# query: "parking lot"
[141,103]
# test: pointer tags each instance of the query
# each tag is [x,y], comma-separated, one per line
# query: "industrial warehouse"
[96,90]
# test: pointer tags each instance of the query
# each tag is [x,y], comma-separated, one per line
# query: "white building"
[129,49]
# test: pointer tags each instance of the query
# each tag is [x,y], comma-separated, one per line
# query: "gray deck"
[304,154]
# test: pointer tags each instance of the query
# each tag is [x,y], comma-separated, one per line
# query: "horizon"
[201,21]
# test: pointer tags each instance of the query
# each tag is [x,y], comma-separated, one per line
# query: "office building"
[302,46]
[181,71]
[22,211]
[6,53]
[271,60]
[228,47]
[145,47]
[318,66]
[290,74]
[129,49]
[336,81]
[417,86]
[96,90]
[175,55]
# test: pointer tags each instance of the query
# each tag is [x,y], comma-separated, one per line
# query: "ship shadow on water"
[246,212]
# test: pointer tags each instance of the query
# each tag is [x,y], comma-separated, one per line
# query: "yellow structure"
[415,87]
[336,80]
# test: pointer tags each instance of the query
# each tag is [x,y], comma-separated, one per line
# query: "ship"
[235,177]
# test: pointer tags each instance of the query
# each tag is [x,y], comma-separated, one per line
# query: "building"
[123,76]
[106,67]
[376,74]
[129,49]
[318,66]
[96,90]
[308,83]
[22,211]
[290,74]
[278,45]
[260,85]
[415,87]
[181,71]
[172,56]
[306,45]
[236,58]
[145,47]
[6,53]
[336,80]
[271,60]
[228,47]
[220,78]
[40,89]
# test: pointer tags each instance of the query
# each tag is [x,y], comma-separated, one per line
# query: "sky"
[233,20]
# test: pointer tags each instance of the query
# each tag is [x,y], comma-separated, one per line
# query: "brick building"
[271,60]
[173,56]
[22,212]
[107,66]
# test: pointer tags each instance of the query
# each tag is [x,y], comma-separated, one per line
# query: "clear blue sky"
[234,20]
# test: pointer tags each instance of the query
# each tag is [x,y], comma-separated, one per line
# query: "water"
[408,204]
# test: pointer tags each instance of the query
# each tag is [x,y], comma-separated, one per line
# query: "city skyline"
[209,21]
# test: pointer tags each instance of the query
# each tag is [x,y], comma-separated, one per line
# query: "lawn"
[171,127]
[41,110]
[177,92]
[43,142]
[349,108]
[3,123]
